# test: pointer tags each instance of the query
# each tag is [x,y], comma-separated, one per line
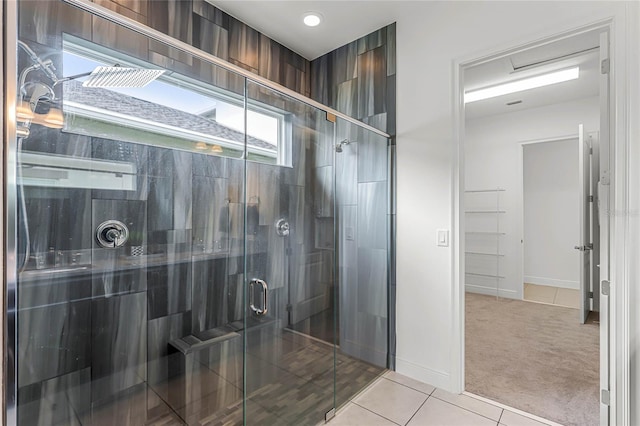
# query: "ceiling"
[343,21]
[575,51]
[282,21]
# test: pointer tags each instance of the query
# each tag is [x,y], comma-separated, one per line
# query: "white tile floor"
[398,400]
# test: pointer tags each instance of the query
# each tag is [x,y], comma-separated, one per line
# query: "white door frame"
[620,271]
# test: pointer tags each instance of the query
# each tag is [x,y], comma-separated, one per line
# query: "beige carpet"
[534,357]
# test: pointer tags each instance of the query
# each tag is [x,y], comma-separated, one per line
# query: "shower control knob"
[282,227]
[112,234]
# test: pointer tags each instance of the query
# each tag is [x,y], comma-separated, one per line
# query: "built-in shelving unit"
[482,259]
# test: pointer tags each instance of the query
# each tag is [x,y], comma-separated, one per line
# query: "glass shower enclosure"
[184,244]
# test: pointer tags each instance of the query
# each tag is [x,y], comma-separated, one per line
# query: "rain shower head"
[36,91]
[116,76]
[100,77]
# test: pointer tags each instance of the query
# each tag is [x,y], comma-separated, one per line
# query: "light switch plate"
[349,234]
[443,237]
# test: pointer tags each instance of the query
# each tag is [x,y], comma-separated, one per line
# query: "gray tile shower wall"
[206,27]
[362,182]
[359,79]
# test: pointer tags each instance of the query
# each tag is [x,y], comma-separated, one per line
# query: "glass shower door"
[289,265]
[364,216]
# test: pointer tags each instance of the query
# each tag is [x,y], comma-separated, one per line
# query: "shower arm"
[23,77]
[73,77]
[46,66]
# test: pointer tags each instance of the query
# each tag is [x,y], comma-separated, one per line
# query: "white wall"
[551,214]
[431,37]
[493,158]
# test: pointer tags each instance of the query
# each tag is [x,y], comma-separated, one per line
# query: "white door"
[585,246]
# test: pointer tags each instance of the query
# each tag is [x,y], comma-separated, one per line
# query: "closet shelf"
[484,254]
[484,275]
[485,190]
[485,233]
[484,250]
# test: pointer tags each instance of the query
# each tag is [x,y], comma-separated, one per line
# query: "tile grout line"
[167,404]
[377,414]
[500,418]
[419,408]
[466,409]
[407,386]
[541,420]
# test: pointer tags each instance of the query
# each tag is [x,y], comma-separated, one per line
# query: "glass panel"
[290,246]
[150,227]
[131,230]
[362,252]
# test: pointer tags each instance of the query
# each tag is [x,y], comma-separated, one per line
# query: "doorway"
[560,217]
[550,209]
[510,343]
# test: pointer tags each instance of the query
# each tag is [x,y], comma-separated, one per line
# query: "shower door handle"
[252,295]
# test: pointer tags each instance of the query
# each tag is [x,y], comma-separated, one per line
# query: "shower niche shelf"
[484,223]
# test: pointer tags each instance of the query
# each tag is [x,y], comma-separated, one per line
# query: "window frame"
[105,55]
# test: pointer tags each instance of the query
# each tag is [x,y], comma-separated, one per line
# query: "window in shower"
[176,111]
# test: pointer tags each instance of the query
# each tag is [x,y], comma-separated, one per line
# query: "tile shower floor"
[394,399]
[289,377]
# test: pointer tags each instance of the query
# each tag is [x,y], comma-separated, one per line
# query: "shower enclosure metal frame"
[9,63]
[10,258]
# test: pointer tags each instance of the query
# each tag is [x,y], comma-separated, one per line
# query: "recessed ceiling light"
[312,19]
[521,85]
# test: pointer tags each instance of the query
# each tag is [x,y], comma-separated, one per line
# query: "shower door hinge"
[605,66]
[591,198]
[330,414]
[605,396]
[605,287]
[590,295]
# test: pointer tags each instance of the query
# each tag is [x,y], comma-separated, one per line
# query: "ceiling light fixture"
[521,85]
[312,19]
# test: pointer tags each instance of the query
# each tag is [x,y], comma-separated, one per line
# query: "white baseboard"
[439,379]
[552,282]
[491,291]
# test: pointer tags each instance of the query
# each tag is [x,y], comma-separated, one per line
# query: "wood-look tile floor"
[290,381]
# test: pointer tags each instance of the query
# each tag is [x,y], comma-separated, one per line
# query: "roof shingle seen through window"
[128,105]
